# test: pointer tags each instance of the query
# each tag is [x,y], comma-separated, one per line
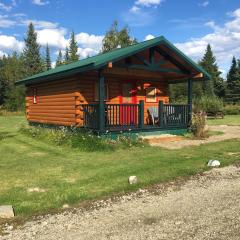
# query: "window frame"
[148,99]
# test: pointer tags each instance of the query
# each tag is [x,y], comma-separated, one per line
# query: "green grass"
[227,120]
[71,176]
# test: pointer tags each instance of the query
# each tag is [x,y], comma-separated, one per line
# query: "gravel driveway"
[207,206]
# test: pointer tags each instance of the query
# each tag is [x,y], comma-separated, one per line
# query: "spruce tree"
[66,56]
[215,85]
[233,81]
[31,53]
[48,58]
[73,48]
[59,61]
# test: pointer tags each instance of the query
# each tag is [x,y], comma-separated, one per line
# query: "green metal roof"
[103,59]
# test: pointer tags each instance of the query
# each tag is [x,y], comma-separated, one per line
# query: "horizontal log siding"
[56,103]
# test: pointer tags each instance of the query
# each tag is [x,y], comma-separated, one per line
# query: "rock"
[36,189]
[132,180]
[213,163]
[6,211]
[65,206]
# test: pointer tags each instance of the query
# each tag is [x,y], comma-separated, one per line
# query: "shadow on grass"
[4,135]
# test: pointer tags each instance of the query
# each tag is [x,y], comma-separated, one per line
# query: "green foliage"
[59,61]
[215,85]
[211,104]
[231,109]
[48,62]
[115,38]
[73,49]
[33,62]
[233,82]
[66,56]
[79,138]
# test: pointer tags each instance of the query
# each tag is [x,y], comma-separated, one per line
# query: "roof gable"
[100,60]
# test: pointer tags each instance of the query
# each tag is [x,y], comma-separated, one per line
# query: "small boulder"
[213,163]
[6,211]
[132,180]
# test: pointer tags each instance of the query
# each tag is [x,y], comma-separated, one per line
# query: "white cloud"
[89,40]
[204,4]
[134,9]
[54,37]
[39,24]
[148,3]
[5,7]
[10,43]
[149,37]
[86,52]
[6,23]
[223,39]
[40,2]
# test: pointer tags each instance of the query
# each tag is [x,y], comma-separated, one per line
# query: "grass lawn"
[227,120]
[70,176]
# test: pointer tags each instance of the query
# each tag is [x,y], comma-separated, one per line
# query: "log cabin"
[125,89]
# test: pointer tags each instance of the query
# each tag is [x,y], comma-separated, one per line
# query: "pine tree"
[48,62]
[59,61]
[233,81]
[215,85]
[115,38]
[66,56]
[73,48]
[31,53]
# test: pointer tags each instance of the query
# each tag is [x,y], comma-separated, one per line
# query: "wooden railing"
[175,115]
[122,115]
[131,116]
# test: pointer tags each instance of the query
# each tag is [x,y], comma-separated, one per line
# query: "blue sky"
[190,24]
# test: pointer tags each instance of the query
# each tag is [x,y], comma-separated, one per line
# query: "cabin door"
[128,111]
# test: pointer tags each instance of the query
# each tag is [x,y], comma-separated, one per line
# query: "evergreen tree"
[48,62]
[73,48]
[215,85]
[59,61]
[31,53]
[233,81]
[115,38]
[66,56]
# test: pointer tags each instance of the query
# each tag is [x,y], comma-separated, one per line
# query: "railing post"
[141,114]
[189,101]
[160,113]
[101,105]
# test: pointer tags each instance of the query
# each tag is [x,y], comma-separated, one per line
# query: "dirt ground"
[206,206]
[176,142]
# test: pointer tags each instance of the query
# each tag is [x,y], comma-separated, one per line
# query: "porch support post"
[101,106]
[141,114]
[160,113]
[189,100]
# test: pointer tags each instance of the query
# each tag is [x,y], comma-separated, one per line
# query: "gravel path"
[177,142]
[206,206]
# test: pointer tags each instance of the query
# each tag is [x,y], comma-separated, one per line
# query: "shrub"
[231,109]
[211,104]
[198,126]
[79,138]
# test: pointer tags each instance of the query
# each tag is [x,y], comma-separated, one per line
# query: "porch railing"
[131,116]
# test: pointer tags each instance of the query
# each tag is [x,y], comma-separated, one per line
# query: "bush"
[198,126]
[231,109]
[79,138]
[211,104]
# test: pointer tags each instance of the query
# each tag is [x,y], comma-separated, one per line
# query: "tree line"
[30,61]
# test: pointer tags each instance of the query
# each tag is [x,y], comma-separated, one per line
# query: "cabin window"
[96,94]
[35,96]
[151,94]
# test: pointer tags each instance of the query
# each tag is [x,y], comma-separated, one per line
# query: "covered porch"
[139,75]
